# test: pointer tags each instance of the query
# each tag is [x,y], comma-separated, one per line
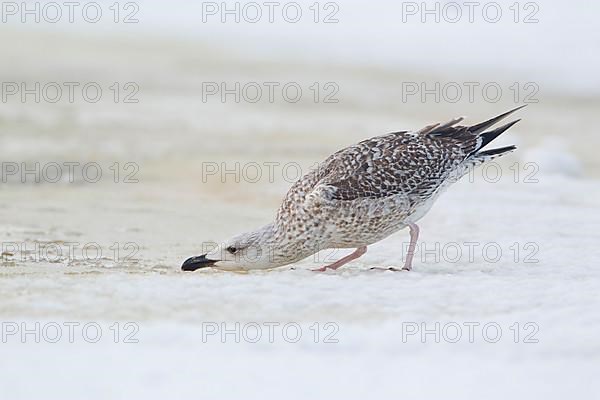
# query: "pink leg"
[414,235]
[353,256]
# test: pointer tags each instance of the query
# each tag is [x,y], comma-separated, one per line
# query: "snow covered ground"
[503,300]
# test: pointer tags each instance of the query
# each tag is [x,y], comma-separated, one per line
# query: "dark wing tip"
[475,129]
[487,137]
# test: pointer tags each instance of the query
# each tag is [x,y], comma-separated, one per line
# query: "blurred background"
[135,134]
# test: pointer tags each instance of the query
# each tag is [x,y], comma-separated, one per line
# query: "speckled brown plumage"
[365,192]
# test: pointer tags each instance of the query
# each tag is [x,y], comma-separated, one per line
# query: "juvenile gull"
[360,195]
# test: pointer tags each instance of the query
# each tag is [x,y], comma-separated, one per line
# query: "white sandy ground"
[374,313]
[171,212]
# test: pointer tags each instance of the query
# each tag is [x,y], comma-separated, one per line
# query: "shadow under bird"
[362,194]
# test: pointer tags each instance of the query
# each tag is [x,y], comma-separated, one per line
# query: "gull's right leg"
[353,256]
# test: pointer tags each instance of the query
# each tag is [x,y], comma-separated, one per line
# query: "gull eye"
[231,249]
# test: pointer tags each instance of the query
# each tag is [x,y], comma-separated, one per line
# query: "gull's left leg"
[353,256]
[414,235]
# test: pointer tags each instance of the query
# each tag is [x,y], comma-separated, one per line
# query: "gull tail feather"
[489,154]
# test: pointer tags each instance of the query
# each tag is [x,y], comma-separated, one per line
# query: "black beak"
[194,263]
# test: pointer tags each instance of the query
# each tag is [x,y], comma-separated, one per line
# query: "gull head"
[258,249]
